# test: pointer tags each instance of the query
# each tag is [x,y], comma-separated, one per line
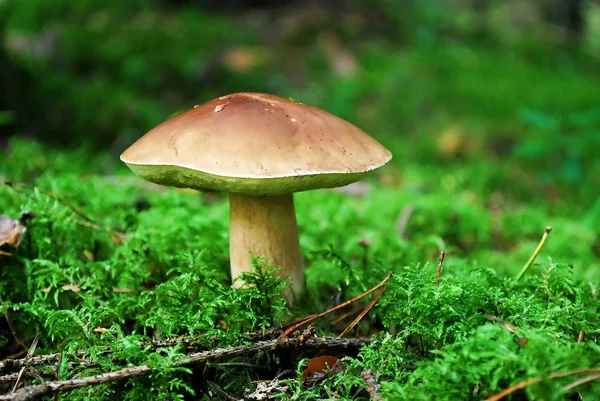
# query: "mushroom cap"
[255,144]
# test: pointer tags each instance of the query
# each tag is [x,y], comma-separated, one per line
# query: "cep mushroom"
[260,149]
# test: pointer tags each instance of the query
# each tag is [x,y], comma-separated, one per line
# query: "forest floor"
[490,147]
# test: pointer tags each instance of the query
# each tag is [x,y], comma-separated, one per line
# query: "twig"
[260,335]
[579,382]
[526,383]
[535,254]
[363,313]
[12,186]
[238,365]
[36,391]
[304,341]
[98,227]
[438,269]
[284,373]
[28,374]
[11,364]
[29,355]
[345,316]
[580,337]
[50,359]
[504,323]
[372,386]
[216,388]
[48,194]
[514,388]
[338,307]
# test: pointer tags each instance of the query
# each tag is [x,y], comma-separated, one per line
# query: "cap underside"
[182,177]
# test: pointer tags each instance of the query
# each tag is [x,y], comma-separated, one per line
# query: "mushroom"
[260,149]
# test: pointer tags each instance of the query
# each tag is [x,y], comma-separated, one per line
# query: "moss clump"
[108,261]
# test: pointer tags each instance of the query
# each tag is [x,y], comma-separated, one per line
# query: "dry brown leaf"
[319,365]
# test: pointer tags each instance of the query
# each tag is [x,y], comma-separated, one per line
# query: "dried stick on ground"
[29,355]
[28,374]
[304,341]
[362,314]
[11,365]
[311,318]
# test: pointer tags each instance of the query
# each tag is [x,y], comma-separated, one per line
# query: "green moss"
[169,277]
[526,122]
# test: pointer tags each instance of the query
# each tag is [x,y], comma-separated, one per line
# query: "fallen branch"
[50,359]
[305,341]
[33,392]
[28,374]
[13,364]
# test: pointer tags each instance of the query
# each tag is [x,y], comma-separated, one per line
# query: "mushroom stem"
[266,226]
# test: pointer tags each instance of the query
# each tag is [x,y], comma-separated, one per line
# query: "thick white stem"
[266,226]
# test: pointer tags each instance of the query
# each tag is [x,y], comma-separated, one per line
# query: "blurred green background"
[494,102]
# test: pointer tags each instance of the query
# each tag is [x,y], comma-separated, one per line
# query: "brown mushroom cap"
[255,144]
